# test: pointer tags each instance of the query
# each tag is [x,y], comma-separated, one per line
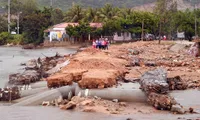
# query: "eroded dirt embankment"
[91,68]
[94,68]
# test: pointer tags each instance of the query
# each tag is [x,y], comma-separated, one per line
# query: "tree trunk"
[160,33]
[142,37]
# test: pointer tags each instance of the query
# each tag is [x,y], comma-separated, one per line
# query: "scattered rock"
[132,80]
[45,103]
[115,100]
[88,110]
[177,109]
[191,110]
[59,100]
[129,119]
[176,83]
[70,105]
[150,64]
[31,65]
[136,61]
[160,101]
[29,46]
[114,112]
[77,99]
[27,77]
[133,51]
[87,103]
[122,104]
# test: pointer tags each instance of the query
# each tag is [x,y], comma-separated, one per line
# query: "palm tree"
[108,13]
[92,15]
[126,13]
[74,14]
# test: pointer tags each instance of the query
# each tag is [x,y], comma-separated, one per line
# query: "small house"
[58,33]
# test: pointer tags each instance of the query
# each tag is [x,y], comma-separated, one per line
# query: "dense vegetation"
[165,20]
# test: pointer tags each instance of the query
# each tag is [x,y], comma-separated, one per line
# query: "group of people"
[100,43]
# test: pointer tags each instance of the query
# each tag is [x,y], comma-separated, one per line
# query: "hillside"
[181,5]
[65,4]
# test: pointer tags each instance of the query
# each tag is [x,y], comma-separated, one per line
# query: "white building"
[58,33]
[122,36]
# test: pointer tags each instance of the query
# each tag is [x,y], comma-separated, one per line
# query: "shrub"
[4,36]
[15,39]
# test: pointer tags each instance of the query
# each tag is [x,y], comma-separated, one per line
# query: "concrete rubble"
[37,69]
[9,94]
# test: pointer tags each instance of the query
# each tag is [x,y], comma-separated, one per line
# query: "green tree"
[163,9]
[3,24]
[4,36]
[185,23]
[80,31]
[57,16]
[74,14]
[34,24]
[91,15]
[108,12]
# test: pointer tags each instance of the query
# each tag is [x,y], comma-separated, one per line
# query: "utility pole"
[18,16]
[142,29]
[142,36]
[195,21]
[18,23]
[8,16]
[51,4]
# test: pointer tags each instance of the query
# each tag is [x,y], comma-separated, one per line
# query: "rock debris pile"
[35,70]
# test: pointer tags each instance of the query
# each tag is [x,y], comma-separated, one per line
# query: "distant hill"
[181,4]
[65,4]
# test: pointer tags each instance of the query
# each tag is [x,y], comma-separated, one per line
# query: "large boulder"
[154,81]
[160,101]
[176,83]
[31,65]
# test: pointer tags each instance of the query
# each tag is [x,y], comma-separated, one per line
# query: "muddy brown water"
[10,59]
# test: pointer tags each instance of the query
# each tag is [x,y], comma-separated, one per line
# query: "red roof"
[64,25]
[96,25]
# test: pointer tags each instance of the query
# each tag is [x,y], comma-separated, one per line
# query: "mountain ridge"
[64,5]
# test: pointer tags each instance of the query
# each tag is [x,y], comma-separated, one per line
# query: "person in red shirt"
[106,44]
[93,44]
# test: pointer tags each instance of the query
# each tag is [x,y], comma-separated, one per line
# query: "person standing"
[164,37]
[106,43]
[97,43]
[93,44]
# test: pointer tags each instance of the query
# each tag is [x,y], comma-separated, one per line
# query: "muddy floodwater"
[10,59]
